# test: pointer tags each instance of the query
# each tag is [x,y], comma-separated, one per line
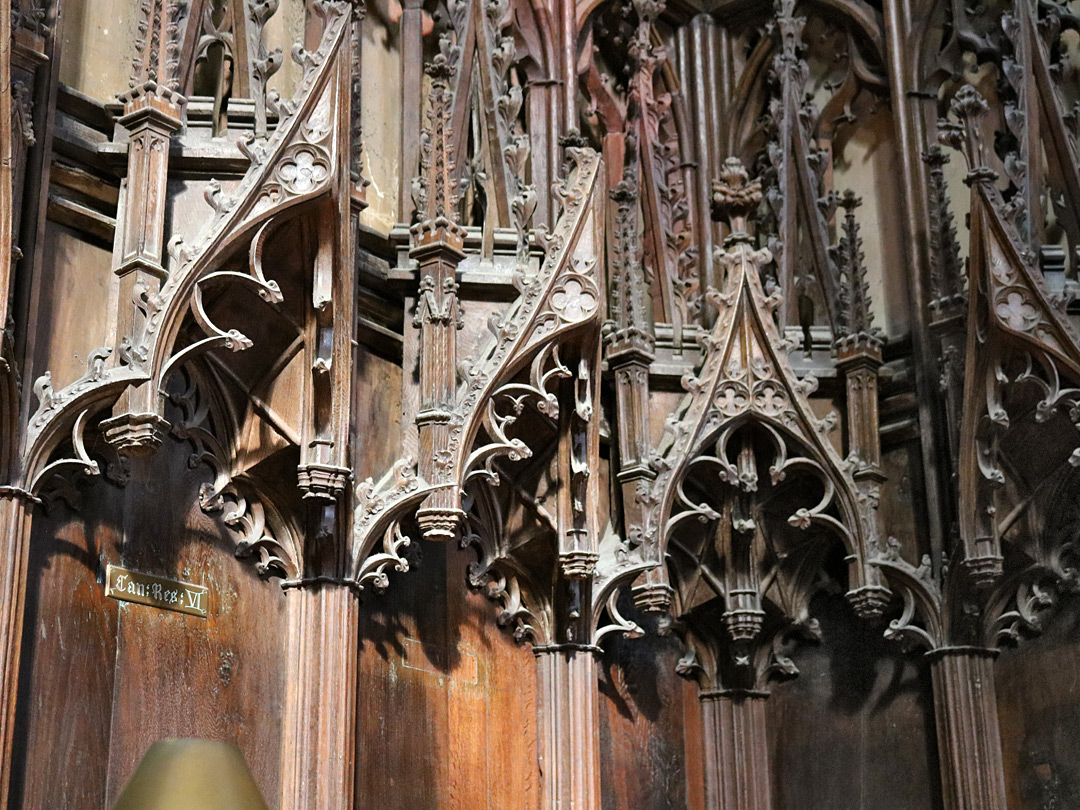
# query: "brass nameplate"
[146,589]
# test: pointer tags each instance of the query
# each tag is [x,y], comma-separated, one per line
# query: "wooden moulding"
[736,749]
[969,737]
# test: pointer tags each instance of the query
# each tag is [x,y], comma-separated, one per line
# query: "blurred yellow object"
[190,774]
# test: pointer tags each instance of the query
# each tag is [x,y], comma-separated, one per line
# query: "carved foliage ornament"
[517,368]
[749,409]
[294,165]
[1021,366]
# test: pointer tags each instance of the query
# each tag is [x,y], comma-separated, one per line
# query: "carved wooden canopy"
[676,318]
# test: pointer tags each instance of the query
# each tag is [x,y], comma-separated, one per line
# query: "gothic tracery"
[685,325]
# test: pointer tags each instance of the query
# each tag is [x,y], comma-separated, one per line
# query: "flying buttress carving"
[560,297]
[1017,338]
[295,165]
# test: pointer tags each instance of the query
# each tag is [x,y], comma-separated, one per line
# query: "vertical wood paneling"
[855,730]
[1038,698]
[447,700]
[645,725]
[69,651]
[182,676]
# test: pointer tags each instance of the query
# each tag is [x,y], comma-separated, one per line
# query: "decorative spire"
[855,314]
[628,292]
[264,63]
[157,45]
[511,140]
[435,192]
[643,55]
[788,59]
[946,271]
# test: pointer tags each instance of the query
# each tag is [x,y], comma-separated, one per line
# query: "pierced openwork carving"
[746,424]
[229,494]
[868,406]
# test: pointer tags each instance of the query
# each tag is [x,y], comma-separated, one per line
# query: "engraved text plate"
[147,589]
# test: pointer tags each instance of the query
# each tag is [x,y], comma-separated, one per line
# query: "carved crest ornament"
[649,361]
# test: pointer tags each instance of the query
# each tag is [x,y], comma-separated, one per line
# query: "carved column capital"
[150,104]
[870,601]
[859,350]
[8,492]
[652,595]
[135,434]
[630,346]
[325,482]
[440,522]
[985,569]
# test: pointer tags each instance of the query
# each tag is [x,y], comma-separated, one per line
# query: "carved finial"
[435,191]
[640,49]
[43,391]
[628,286]
[356,130]
[735,198]
[965,134]
[791,29]
[855,314]
[946,270]
[157,45]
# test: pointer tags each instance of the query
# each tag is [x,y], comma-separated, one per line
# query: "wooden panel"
[79,283]
[69,649]
[643,712]
[401,715]
[693,734]
[182,676]
[446,713]
[377,414]
[1038,687]
[855,730]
